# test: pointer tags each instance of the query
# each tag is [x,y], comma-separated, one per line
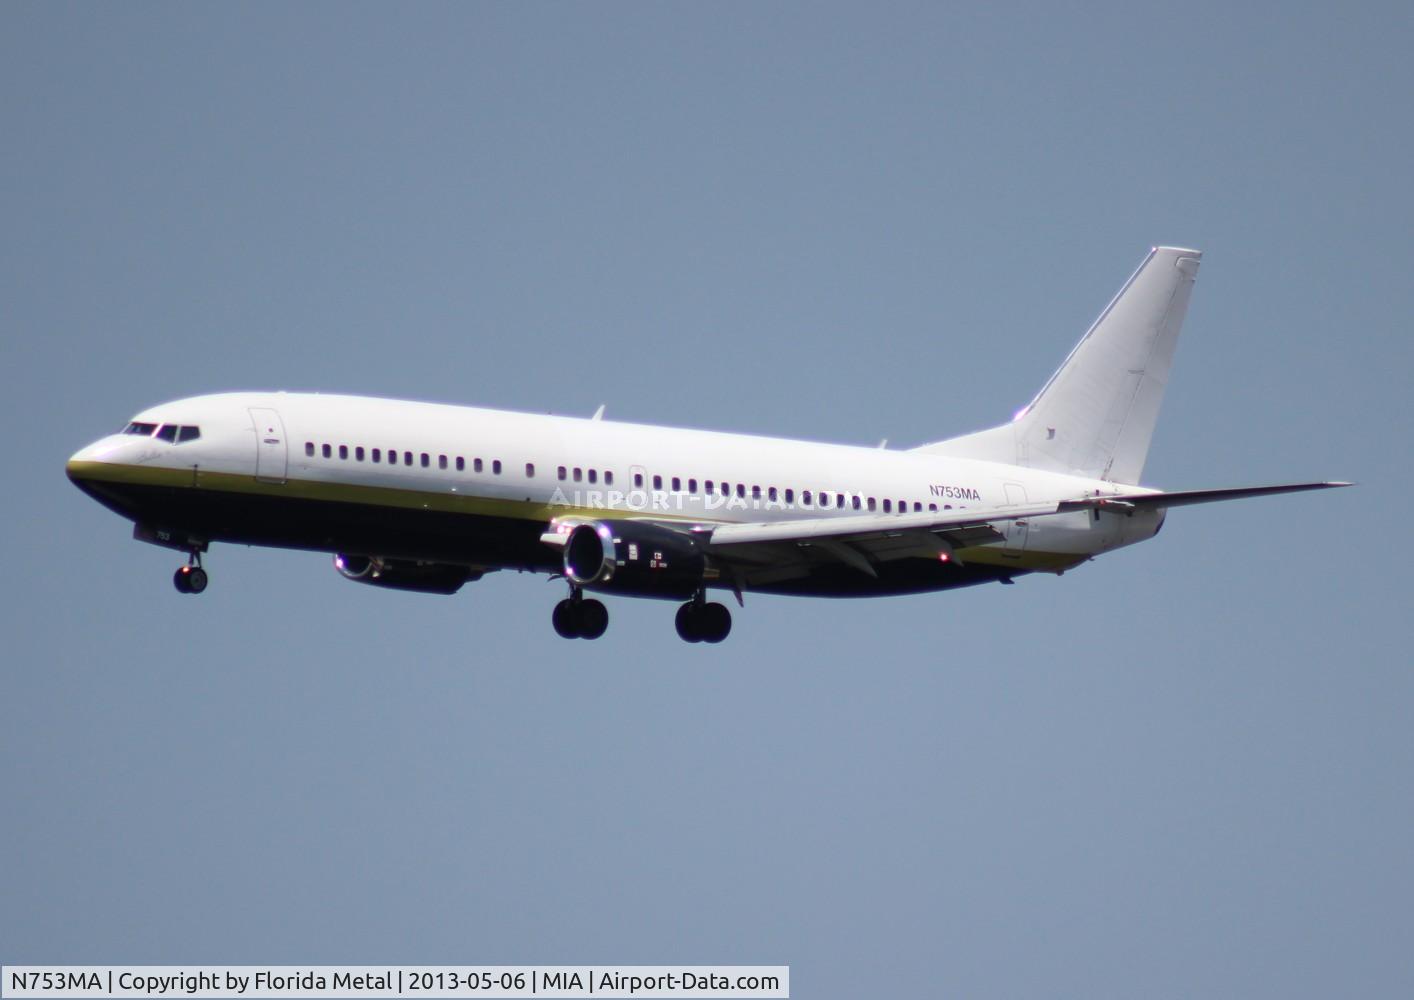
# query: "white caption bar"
[257,982]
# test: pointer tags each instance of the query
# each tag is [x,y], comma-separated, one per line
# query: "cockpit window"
[171,433]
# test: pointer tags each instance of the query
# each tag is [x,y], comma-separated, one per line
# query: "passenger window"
[327,452]
[805,498]
[741,491]
[529,470]
[358,453]
[496,466]
[167,432]
[917,507]
[593,475]
[771,494]
[578,474]
[407,458]
[657,482]
[309,449]
[344,451]
[377,454]
[426,460]
[638,480]
[790,496]
[839,500]
[933,507]
[461,464]
[888,506]
[677,485]
[608,478]
[562,473]
[872,504]
[854,501]
[476,465]
[441,461]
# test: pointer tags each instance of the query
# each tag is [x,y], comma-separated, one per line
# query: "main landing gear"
[579,618]
[191,578]
[698,621]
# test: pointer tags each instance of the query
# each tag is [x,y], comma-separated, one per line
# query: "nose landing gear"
[579,618]
[698,621]
[191,578]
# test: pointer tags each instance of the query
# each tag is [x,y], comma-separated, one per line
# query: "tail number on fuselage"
[954,492]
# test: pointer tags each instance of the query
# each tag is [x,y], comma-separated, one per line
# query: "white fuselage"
[464,458]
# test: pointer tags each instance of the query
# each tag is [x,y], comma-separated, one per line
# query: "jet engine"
[629,557]
[403,574]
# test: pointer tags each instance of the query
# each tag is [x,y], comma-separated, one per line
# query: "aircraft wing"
[862,541]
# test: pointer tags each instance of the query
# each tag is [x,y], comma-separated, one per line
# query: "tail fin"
[1096,415]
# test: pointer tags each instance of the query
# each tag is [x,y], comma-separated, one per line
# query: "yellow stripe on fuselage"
[455,503]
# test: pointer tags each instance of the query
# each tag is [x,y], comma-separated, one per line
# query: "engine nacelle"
[424,578]
[633,558]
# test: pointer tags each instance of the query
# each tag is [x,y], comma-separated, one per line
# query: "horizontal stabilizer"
[1186,498]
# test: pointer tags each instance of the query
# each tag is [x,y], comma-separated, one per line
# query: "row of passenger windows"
[822,499]
[391,457]
[424,459]
[171,433]
[580,474]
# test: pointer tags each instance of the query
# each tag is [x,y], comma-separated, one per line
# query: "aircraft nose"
[80,464]
[77,462]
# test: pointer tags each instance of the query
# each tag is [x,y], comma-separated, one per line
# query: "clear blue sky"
[1183,770]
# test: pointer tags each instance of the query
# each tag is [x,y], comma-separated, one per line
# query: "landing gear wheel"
[686,622]
[575,618]
[565,619]
[593,619]
[697,622]
[714,622]
[189,580]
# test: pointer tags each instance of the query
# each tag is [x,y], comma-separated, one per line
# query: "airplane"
[428,497]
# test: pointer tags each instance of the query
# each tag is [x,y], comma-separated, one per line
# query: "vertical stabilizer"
[1096,415]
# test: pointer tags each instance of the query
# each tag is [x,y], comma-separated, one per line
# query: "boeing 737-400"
[427,497]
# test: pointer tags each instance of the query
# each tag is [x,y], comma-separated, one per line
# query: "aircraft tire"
[687,623]
[714,622]
[593,619]
[565,620]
